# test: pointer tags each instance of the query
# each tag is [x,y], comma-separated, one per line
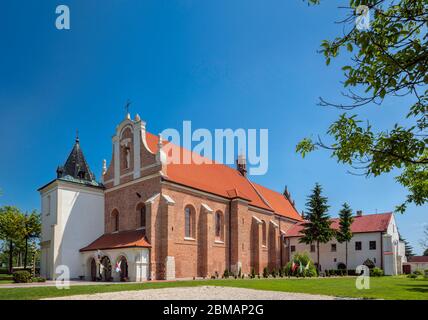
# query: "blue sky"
[221,64]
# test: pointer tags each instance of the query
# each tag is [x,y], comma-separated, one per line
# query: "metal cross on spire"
[128,103]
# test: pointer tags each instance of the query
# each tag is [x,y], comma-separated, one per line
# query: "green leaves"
[388,60]
[305,146]
[11,223]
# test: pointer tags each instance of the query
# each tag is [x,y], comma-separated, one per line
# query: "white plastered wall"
[76,219]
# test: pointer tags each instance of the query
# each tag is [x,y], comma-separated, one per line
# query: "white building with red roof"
[375,242]
[414,263]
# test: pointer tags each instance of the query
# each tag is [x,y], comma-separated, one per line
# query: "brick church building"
[149,219]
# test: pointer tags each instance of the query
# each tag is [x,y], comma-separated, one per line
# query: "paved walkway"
[198,293]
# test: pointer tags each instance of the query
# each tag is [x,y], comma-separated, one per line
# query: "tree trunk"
[10,257]
[346,257]
[318,257]
[26,253]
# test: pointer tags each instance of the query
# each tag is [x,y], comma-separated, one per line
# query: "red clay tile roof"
[418,259]
[122,239]
[222,180]
[366,223]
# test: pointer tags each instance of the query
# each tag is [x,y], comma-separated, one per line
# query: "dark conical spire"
[76,166]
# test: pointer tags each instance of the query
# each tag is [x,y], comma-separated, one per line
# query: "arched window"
[264,236]
[218,225]
[141,215]
[189,222]
[115,220]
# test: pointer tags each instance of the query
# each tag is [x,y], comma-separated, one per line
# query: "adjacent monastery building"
[375,243]
[153,220]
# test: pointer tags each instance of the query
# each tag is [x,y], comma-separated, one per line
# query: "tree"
[317,228]
[388,60]
[11,229]
[32,230]
[344,234]
[424,242]
[408,249]
[425,252]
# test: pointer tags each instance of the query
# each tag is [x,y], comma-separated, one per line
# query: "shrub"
[307,270]
[286,270]
[239,273]
[376,272]
[253,273]
[341,266]
[418,272]
[412,276]
[310,272]
[273,273]
[265,272]
[38,279]
[21,276]
[352,272]
[281,272]
[226,274]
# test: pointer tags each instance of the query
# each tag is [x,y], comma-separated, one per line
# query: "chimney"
[359,213]
[241,165]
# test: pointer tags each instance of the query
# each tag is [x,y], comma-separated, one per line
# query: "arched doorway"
[105,269]
[123,268]
[93,270]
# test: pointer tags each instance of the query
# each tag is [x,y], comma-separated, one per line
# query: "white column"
[137,146]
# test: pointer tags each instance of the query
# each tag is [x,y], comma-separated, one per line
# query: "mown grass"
[395,288]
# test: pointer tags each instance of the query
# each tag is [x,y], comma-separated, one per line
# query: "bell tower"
[72,212]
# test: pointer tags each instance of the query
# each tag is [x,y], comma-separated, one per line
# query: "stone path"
[198,293]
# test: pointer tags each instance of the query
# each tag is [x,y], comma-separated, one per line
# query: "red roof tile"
[122,239]
[222,180]
[366,223]
[418,259]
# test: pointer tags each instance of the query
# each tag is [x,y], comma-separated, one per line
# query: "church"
[149,219]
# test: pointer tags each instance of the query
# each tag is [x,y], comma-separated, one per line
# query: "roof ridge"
[260,195]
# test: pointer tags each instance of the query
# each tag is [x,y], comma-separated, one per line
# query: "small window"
[333,247]
[189,223]
[358,245]
[264,234]
[219,225]
[115,220]
[141,213]
[48,207]
[293,248]
[372,245]
[312,248]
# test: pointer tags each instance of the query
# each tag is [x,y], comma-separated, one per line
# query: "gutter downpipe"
[230,236]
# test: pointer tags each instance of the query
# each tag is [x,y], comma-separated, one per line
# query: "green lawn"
[381,288]
[6,278]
